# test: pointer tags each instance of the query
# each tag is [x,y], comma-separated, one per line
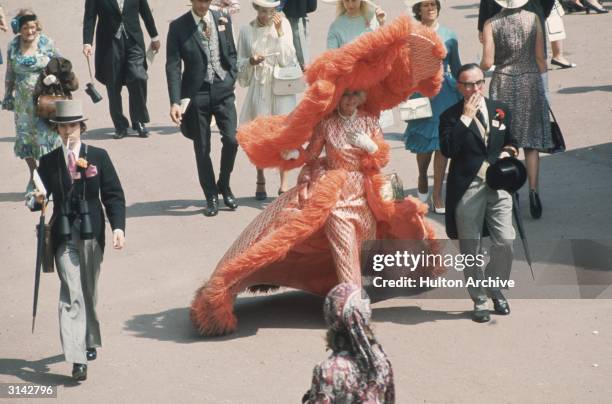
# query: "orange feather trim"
[212,307]
[389,64]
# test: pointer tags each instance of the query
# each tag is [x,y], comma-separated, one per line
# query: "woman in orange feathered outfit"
[310,237]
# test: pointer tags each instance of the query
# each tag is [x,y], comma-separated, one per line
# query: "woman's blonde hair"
[364,9]
[29,11]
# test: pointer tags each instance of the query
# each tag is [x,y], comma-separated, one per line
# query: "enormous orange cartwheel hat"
[397,60]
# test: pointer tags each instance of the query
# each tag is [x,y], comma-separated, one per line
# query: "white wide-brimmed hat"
[68,111]
[266,3]
[512,3]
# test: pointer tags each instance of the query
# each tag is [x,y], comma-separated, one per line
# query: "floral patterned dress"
[340,380]
[34,137]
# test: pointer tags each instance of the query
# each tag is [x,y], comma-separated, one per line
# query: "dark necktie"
[481,119]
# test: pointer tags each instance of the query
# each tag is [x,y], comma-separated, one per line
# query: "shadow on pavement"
[8,139]
[170,325]
[12,197]
[37,372]
[289,310]
[107,133]
[415,315]
[293,309]
[584,89]
[180,207]
[176,207]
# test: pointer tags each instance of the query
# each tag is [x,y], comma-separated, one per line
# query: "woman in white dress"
[264,43]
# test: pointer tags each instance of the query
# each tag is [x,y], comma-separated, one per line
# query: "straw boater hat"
[266,3]
[512,3]
[68,111]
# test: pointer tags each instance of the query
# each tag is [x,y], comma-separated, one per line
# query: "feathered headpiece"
[389,64]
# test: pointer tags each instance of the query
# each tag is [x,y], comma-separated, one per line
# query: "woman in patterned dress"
[27,55]
[310,237]
[358,370]
[513,41]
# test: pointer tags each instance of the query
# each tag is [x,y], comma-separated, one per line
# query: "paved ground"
[545,351]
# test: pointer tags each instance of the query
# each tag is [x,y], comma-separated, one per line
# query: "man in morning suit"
[120,56]
[201,41]
[81,179]
[473,135]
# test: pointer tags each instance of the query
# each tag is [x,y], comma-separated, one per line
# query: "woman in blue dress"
[422,134]
[353,18]
[27,55]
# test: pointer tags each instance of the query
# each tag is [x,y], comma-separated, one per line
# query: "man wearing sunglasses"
[473,135]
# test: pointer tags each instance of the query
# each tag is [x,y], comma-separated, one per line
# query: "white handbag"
[288,80]
[417,108]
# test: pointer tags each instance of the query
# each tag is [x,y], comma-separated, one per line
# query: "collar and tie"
[481,119]
[72,167]
[205,28]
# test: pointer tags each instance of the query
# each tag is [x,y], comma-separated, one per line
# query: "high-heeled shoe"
[590,7]
[437,211]
[535,205]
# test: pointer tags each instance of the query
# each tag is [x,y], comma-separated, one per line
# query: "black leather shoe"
[212,206]
[501,306]
[481,316]
[535,205]
[120,133]
[228,197]
[79,371]
[141,129]
[91,354]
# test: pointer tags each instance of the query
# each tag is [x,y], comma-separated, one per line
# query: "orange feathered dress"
[310,237]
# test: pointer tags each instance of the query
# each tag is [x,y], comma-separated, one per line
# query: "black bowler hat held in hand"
[508,174]
[90,89]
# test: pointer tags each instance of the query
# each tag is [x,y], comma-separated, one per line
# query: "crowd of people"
[336,195]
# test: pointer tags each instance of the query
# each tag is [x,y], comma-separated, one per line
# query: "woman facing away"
[358,369]
[263,44]
[513,40]
[422,135]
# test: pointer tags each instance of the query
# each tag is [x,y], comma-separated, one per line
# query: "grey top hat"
[68,111]
[508,174]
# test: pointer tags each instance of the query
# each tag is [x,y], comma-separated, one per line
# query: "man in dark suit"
[201,41]
[81,179]
[120,56]
[473,135]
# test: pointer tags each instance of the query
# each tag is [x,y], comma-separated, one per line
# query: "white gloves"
[363,141]
[49,80]
[292,154]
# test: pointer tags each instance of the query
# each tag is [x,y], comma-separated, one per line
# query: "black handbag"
[557,136]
